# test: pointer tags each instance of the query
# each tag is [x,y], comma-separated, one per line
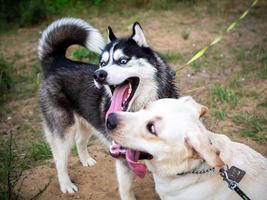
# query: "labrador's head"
[171,131]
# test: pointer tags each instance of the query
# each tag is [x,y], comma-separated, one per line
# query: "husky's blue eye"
[123,61]
[151,128]
[102,64]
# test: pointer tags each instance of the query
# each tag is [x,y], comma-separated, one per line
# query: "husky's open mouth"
[122,95]
[132,157]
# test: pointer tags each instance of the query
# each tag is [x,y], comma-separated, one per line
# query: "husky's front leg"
[125,180]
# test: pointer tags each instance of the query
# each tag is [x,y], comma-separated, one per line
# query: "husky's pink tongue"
[117,98]
[132,156]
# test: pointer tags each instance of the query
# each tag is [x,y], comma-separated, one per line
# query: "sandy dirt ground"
[95,183]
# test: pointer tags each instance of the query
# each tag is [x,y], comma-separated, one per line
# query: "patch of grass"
[218,114]
[29,83]
[6,79]
[127,13]
[74,150]
[185,35]
[252,125]
[39,151]
[5,168]
[263,67]
[235,81]
[37,76]
[83,54]
[263,104]
[171,57]
[246,57]
[253,94]
[7,109]
[249,68]
[224,95]
[36,69]
[161,4]
[240,54]
[196,66]
[11,167]
[18,55]
[24,127]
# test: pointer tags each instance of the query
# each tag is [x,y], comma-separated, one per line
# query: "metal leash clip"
[233,176]
[231,184]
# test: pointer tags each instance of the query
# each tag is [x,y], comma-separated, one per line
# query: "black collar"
[197,171]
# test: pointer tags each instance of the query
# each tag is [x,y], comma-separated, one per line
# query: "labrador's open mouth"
[122,95]
[118,151]
[121,98]
[132,157]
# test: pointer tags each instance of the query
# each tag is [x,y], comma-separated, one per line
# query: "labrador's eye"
[123,61]
[151,128]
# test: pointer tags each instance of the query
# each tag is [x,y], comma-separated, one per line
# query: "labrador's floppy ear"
[203,110]
[201,146]
[111,35]
[200,109]
[138,35]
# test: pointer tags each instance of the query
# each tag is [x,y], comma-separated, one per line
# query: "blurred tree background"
[21,13]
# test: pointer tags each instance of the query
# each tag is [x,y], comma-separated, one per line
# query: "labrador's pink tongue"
[118,96]
[132,158]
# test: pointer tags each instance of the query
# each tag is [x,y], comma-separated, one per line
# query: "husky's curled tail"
[63,33]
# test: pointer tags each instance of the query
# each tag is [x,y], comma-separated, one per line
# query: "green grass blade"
[198,55]
[232,26]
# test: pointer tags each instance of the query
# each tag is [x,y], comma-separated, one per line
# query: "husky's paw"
[68,187]
[129,198]
[88,162]
[127,195]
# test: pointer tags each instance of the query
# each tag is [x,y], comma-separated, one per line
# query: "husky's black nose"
[100,75]
[112,121]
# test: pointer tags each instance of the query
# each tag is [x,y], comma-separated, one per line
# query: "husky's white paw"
[88,162]
[68,187]
[128,197]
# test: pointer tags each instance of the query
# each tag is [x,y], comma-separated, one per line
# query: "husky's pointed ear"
[202,147]
[199,109]
[111,35]
[138,35]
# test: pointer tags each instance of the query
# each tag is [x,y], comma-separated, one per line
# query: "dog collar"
[195,171]
[212,169]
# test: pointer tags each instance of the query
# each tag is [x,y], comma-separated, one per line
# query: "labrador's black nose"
[112,121]
[100,75]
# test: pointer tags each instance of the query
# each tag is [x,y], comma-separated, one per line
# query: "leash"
[217,39]
[233,176]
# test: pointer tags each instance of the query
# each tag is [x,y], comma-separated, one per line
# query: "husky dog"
[75,97]
[186,156]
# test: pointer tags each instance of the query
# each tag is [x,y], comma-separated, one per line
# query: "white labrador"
[170,130]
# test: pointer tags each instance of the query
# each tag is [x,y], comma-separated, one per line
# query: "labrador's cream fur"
[183,144]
